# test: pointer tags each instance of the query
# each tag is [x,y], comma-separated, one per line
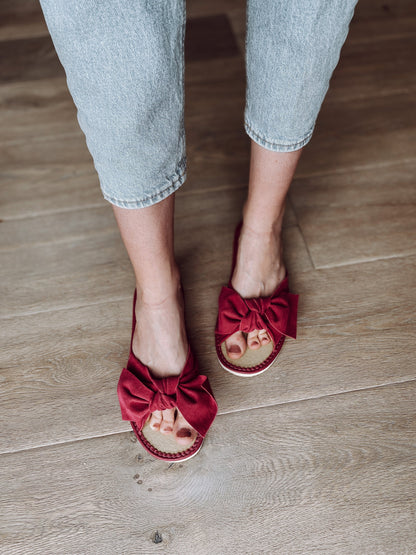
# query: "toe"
[253,340]
[168,421]
[236,345]
[264,337]
[155,419]
[184,433]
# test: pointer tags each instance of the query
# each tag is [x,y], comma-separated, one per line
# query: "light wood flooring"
[317,455]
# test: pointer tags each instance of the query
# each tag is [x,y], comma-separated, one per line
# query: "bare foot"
[160,343]
[257,273]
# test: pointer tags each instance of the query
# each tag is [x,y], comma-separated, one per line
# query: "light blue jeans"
[124,63]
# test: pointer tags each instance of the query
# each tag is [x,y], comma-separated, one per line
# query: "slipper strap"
[277,313]
[140,394]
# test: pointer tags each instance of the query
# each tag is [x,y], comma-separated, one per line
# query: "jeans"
[124,64]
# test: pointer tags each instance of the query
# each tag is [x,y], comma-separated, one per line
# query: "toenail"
[156,425]
[168,428]
[234,349]
[184,432]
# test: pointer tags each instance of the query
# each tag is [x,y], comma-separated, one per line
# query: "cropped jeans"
[124,62]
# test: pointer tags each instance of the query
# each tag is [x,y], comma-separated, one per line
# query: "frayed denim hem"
[276,146]
[175,181]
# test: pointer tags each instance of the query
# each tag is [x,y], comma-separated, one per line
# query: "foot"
[160,343]
[258,271]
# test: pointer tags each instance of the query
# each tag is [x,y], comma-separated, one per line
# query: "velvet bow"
[276,313]
[140,394]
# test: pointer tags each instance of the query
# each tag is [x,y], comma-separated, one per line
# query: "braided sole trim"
[171,457]
[253,369]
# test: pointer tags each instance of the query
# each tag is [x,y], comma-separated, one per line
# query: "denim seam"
[177,179]
[277,146]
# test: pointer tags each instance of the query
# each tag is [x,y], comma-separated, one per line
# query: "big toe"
[236,345]
[168,421]
[184,433]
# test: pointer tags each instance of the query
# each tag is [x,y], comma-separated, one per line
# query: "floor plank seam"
[44,138]
[365,260]
[68,307]
[375,95]
[299,226]
[329,395]
[355,168]
[42,214]
[380,38]
[69,442]
[70,240]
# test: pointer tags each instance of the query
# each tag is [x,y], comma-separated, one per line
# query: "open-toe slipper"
[276,314]
[140,394]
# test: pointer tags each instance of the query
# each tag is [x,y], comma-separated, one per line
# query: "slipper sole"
[253,362]
[164,447]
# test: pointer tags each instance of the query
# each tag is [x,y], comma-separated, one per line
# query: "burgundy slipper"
[277,314]
[140,394]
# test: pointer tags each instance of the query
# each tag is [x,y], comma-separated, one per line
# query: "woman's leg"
[124,66]
[159,340]
[292,48]
[259,267]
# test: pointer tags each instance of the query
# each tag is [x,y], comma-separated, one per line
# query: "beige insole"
[162,442]
[250,358]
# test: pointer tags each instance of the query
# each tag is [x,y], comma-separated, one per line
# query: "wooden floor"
[318,454]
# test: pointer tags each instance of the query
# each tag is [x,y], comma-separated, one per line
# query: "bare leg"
[159,339]
[260,267]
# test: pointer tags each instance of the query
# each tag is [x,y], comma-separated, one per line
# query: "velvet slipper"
[140,394]
[277,314]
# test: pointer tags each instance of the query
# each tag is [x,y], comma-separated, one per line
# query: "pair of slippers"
[140,393]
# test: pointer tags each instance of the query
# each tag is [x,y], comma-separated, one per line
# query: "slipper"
[140,394]
[276,314]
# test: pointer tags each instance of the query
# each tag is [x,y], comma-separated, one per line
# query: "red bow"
[140,394]
[276,313]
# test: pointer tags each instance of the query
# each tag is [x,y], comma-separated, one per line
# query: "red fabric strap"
[140,394]
[277,313]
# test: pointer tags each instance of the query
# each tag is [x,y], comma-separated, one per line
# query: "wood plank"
[34,110]
[329,475]
[34,190]
[209,37]
[221,208]
[21,19]
[351,336]
[363,134]
[377,68]
[85,248]
[369,214]
[29,59]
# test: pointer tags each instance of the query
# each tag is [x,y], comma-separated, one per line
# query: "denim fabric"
[124,63]
[292,48]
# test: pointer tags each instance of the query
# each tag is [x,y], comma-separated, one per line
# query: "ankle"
[260,225]
[165,288]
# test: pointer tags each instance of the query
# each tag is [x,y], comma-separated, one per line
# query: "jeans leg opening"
[172,184]
[280,145]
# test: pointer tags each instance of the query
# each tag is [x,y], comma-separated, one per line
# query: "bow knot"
[161,401]
[255,316]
